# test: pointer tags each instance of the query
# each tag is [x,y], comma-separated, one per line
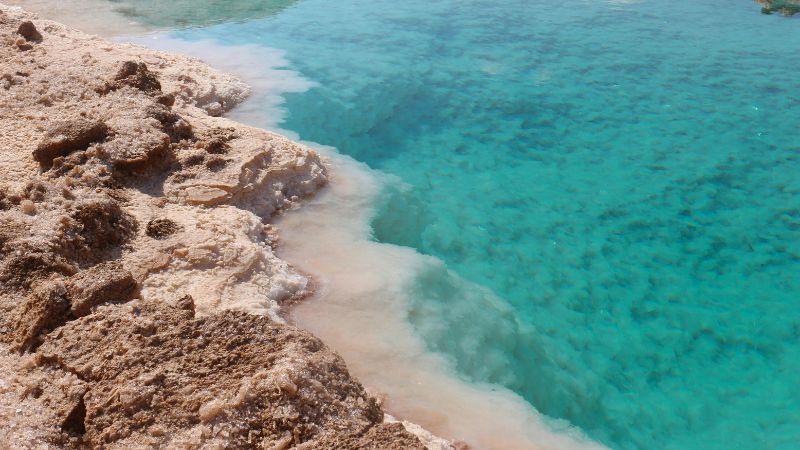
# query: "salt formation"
[133,248]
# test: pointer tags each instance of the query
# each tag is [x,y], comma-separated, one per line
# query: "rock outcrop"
[139,292]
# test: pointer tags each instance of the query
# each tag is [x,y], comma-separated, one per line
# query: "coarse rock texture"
[158,376]
[103,144]
[139,292]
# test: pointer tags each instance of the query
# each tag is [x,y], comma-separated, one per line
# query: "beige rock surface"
[99,120]
[139,291]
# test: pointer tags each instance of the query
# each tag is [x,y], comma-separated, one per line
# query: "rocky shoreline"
[140,293]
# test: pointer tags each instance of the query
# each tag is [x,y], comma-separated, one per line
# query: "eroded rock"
[137,76]
[66,137]
[158,375]
[161,228]
[102,367]
[102,225]
[23,265]
[45,308]
[105,282]
[28,31]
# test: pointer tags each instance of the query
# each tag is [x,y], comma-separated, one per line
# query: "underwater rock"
[785,7]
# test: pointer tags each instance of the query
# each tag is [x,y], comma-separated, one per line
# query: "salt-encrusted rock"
[28,30]
[66,137]
[43,309]
[22,265]
[205,195]
[98,226]
[156,376]
[137,76]
[161,228]
[103,283]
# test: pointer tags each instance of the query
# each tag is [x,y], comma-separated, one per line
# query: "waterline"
[362,310]
[364,301]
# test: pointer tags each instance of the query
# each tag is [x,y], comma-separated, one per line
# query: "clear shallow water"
[193,13]
[622,175]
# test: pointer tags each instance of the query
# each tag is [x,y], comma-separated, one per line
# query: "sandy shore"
[141,295]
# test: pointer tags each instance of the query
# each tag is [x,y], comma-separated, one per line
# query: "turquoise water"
[625,175]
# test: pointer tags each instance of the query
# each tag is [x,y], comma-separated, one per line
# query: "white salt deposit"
[361,309]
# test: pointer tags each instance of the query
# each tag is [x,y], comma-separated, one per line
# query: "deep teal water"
[625,175]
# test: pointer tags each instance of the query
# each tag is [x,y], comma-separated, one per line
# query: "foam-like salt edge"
[361,309]
[264,70]
[361,306]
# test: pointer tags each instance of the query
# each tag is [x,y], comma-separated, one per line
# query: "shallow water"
[194,13]
[620,176]
[365,293]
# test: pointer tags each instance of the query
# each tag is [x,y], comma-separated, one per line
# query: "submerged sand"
[140,294]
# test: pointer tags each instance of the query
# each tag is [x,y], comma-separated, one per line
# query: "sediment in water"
[363,289]
[362,308]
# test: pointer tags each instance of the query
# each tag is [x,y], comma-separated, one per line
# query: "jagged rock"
[173,124]
[67,137]
[143,141]
[105,282]
[216,140]
[215,164]
[158,376]
[28,30]
[46,307]
[186,303]
[167,100]
[137,76]
[102,225]
[37,401]
[103,368]
[384,436]
[24,265]
[35,191]
[161,228]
